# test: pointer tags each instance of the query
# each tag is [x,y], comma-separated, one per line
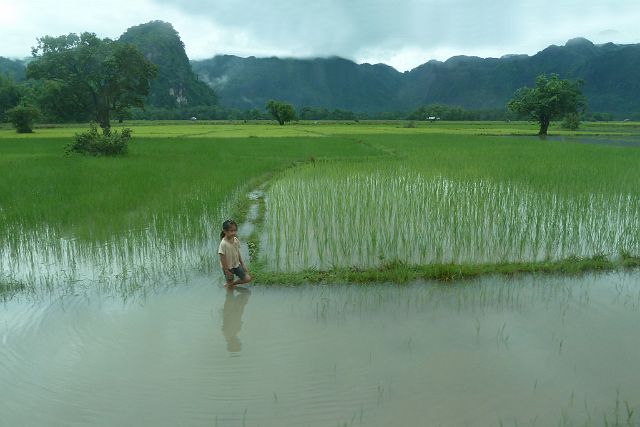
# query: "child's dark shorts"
[238,271]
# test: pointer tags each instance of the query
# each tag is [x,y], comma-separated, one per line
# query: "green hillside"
[611,74]
[176,84]
[331,82]
[14,69]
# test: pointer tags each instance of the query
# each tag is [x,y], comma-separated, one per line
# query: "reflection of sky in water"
[470,353]
[627,141]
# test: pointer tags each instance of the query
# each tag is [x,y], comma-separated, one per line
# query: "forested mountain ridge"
[176,84]
[12,68]
[611,73]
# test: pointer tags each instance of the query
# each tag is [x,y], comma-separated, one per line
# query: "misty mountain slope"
[176,84]
[330,82]
[13,68]
[611,74]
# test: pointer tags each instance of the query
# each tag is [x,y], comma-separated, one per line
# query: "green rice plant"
[364,217]
[129,222]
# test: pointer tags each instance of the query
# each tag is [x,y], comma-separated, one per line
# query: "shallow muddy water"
[496,351]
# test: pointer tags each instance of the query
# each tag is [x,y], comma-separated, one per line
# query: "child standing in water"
[230,258]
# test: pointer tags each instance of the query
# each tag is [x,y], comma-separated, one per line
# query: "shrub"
[571,121]
[96,144]
[22,116]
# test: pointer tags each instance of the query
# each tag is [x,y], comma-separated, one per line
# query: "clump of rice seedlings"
[10,286]
[321,217]
[139,259]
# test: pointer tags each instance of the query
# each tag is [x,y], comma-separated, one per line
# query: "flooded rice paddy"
[137,330]
[626,140]
[324,216]
[494,351]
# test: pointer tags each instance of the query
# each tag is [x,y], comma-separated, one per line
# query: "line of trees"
[551,99]
[218,112]
[78,78]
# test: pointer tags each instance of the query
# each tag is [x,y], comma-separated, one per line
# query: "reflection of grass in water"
[9,286]
[488,293]
[620,414]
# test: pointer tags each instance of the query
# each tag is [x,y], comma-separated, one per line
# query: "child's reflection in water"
[234,303]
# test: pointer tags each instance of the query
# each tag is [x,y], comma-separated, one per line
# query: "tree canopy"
[102,76]
[10,94]
[281,111]
[552,98]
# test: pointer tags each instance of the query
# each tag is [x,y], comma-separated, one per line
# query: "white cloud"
[402,33]
[8,12]
[407,58]
[33,19]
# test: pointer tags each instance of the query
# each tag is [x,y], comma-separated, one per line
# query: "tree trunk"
[104,122]
[544,125]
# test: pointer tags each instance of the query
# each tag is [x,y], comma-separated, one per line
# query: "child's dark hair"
[226,226]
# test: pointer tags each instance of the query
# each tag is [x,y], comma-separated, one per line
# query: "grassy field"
[171,171]
[336,188]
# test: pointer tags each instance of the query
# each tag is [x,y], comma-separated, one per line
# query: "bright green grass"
[544,164]
[161,177]
[266,129]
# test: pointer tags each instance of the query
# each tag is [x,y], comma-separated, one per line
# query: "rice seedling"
[370,216]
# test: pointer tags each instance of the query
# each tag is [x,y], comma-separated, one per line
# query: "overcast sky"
[401,33]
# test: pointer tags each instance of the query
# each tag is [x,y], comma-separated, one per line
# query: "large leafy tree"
[281,111]
[552,98]
[58,104]
[102,76]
